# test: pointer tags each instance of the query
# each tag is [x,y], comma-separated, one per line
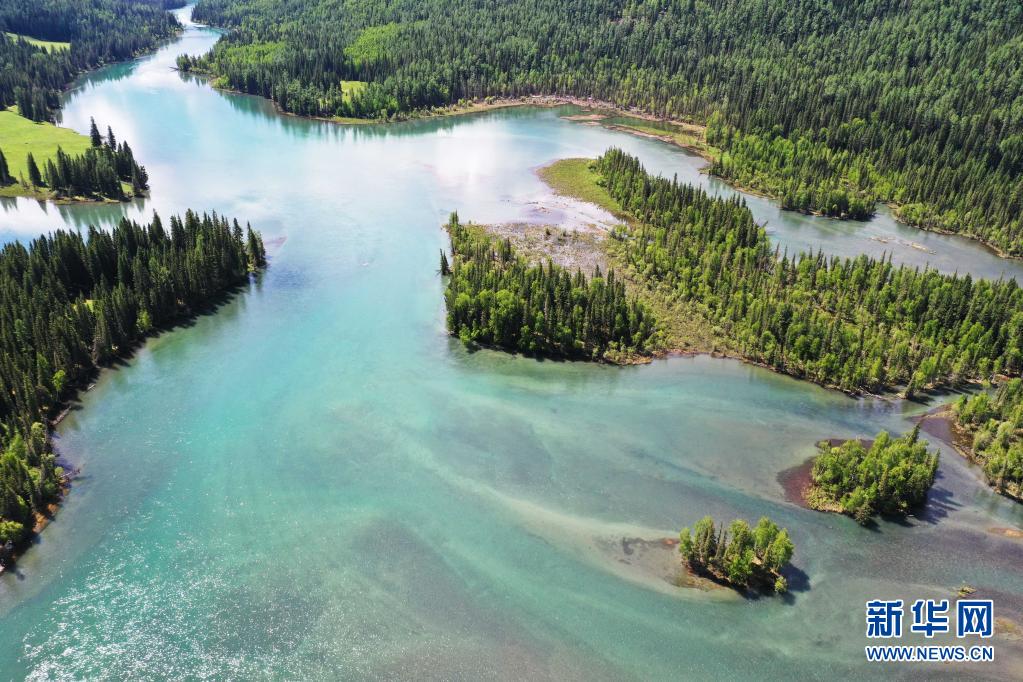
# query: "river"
[317,482]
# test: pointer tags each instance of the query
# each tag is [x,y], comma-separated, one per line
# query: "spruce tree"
[34,176]
[94,135]
[255,252]
[5,172]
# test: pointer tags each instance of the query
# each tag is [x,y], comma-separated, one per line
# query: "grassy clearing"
[19,136]
[350,89]
[373,43]
[683,325]
[258,53]
[50,45]
[574,178]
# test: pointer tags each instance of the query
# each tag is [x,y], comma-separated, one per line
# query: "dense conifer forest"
[995,422]
[740,555]
[99,32]
[891,476]
[495,297]
[71,304]
[855,323]
[829,106]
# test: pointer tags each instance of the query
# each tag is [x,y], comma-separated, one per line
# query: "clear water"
[317,482]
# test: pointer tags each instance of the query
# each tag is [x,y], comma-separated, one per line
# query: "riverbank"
[587,248]
[685,329]
[478,311]
[692,137]
[211,250]
[941,423]
[11,552]
[685,134]
[9,555]
[993,248]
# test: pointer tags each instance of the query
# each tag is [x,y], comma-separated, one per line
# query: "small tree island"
[888,476]
[739,556]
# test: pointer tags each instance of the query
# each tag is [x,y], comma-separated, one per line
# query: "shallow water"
[318,482]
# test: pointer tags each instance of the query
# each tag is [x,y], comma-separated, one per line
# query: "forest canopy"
[890,476]
[99,31]
[828,106]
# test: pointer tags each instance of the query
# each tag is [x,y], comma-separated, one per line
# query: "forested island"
[70,305]
[858,324]
[739,556]
[994,424]
[829,107]
[495,297]
[887,476]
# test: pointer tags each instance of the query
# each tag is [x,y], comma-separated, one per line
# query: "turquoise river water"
[317,482]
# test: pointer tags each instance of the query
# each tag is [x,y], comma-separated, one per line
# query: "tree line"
[739,554]
[859,324]
[890,476]
[830,106]
[71,304]
[495,297]
[99,32]
[995,422]
[98,172]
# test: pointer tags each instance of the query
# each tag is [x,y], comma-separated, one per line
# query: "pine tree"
[25,105]
[136,183]
[34,176]
[255,252]
[94,135]
[5,172]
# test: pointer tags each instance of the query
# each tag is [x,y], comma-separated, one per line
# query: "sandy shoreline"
[797,482]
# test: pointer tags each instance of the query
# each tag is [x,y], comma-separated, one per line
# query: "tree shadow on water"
[939,504]
[798,582]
